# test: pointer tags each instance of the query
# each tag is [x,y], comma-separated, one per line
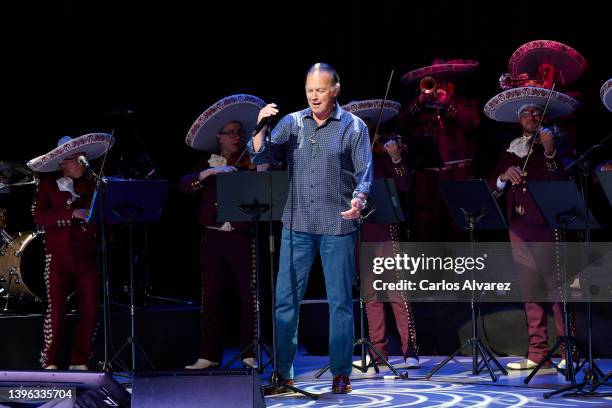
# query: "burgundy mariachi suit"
[227,257]
[451,132]
[71,264]
[389,233]
[534,264]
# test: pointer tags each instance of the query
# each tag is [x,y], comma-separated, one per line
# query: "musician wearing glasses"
[531,157]
[227,251]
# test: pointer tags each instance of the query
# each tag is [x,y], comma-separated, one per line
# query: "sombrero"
[92,145]
[505,106]
[371,109]
[606,94]
[439,67]
[242,108]
[528,58]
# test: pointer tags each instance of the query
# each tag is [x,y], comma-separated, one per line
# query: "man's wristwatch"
[364,201]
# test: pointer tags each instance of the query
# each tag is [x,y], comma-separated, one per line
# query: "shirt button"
[311,186]
[312,201]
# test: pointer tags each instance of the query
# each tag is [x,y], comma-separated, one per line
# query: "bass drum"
[22,266]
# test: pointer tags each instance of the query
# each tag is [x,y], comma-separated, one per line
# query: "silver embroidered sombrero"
[606,94]
[439,67]
[371,109]
[92,145]
[242,108]
[528,58]
[504,106]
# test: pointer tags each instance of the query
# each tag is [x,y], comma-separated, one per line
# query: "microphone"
[83,160]
[262,123]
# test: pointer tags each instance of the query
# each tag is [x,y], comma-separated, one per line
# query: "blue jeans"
[297,253]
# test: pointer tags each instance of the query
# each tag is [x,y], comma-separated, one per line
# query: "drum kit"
[21,254]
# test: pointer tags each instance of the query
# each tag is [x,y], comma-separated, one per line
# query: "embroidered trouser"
[64,273]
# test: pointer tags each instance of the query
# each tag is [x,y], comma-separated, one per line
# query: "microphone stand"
[276,385]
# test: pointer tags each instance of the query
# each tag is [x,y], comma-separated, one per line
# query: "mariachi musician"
[389,161]
[62,205]
[446,121]
[227,251]
[532,156]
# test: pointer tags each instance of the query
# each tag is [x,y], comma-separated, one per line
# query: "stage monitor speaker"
[94,389]
[218,388]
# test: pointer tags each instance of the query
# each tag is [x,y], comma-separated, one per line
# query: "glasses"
[535,114]
[239,133]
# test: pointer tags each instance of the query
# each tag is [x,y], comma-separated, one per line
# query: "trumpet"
[506,81]
[428,85]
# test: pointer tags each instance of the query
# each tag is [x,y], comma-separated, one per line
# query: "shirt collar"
[335,114]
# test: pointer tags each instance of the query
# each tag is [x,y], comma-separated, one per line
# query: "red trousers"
[535,265]
[383,240]
[66,272]
[404,321]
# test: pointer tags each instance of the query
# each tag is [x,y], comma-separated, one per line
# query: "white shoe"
[202,364]
[357,363]
[250,362]
[524,364]
[563,365]
[412,362]
[51,367]
[81,367]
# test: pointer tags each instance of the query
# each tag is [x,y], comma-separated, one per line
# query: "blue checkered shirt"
[327,165]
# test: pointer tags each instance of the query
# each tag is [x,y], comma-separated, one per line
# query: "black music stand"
[243,197]
[128,201]
[472,206]
[563,208]
[383,208]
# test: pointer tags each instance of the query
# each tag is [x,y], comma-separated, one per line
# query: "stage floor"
[452,386]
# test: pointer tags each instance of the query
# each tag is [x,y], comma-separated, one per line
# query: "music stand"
[563,208]
[119,201]
[243,197]
[383,208]
[472,206]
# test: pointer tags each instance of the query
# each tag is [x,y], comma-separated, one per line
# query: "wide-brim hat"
[504,107]
[528,58]
[242,108]
[439,67]
[371,109]
[606,94]
[92,145]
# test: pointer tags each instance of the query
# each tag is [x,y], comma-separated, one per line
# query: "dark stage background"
[146,70]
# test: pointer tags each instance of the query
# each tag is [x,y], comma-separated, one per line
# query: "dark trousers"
[227,258]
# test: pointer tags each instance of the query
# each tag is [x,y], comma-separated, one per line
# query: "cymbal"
[15,174]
